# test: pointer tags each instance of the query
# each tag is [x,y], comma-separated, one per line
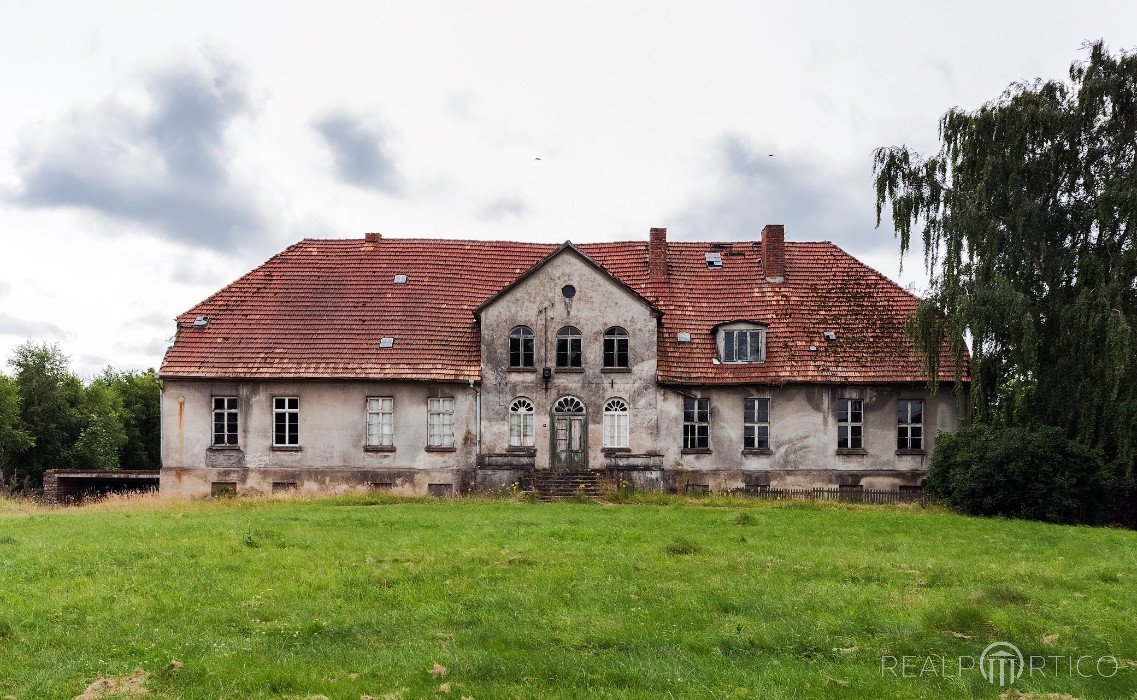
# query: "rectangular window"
[756,424]
[380,421]
[696,424]
[225,420]
[910,424]
[849,417]
[616,433]
[440,422]
[742,346]
[286,421]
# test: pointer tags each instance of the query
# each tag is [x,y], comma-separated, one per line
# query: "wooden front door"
[569,434]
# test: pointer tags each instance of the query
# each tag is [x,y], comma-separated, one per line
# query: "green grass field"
[710,598]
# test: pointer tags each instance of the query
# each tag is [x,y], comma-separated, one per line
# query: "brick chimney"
[774,252]
[657,254]
[371,237]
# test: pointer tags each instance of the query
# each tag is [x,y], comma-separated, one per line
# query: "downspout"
[477,419]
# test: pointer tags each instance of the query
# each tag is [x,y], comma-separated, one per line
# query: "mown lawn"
[712,598]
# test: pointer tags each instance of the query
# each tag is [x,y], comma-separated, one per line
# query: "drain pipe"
[477,419]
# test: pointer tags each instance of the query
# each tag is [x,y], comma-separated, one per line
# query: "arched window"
[521,347]
[568,404]
[568,347]
[615,348]
[521,423]
[616,423]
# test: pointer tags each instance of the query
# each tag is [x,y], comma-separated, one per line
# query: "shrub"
[1030,473]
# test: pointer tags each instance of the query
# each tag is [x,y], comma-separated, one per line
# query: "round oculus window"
[569,291]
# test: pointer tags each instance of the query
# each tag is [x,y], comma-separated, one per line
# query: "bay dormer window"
[742,342]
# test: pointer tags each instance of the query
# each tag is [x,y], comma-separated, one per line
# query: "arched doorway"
[569,434]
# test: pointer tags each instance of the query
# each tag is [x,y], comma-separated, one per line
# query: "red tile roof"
[319,309]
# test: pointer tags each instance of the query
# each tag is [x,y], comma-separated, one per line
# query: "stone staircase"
[551,485]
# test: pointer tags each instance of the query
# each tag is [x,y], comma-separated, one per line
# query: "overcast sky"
[148,156]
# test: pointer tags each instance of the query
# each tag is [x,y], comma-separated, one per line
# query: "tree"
[140,394]
[103,434]
[13,438]
[51,408]
[1026,217]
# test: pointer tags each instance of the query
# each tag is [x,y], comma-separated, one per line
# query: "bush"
[1030,473]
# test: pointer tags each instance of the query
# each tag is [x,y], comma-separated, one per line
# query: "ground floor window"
[286,421]
[756,424]
[440,422]
[380,421]
[225,420]
[616,428]
[521,423]
[696,424]
[910,424]
[849,424]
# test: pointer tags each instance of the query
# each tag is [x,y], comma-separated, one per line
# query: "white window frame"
[617,424]
[853,438]
[753,428]
[230,406]
[691,428]
[521,423]
[291,432]
[905,426]
[729,339]
[380,426]
[440,422]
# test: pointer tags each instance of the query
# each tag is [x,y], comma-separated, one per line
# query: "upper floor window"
[696,424]
[380,421]
[521,423]
[225,420]
[756,424]
[850,414]
[616,427]
[285,421]
[615,347]
[440,422]
[568,347]
[910,424]
[742,342]
[521,347]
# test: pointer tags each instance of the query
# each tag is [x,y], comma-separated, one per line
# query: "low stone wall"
[66,486]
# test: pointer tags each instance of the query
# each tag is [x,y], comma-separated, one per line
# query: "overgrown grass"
[709,597]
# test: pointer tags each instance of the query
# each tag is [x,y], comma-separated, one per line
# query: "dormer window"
[742,342]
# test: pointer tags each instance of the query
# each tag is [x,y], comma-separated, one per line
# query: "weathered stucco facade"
[566,288]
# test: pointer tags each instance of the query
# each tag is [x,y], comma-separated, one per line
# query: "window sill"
[286,448]
[696,451]
[523,370]
[569,370]
[518,450]
[440,448]
[757,451]
[224,448]
[851,451]
[378,448]
[616,370]
[611,451]
[911,452]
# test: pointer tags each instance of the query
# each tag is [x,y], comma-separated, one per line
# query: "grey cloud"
[166,168]
[360,154]
[22,327]
[503,208]
[814,198]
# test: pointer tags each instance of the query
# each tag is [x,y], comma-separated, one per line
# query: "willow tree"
[1026,218]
